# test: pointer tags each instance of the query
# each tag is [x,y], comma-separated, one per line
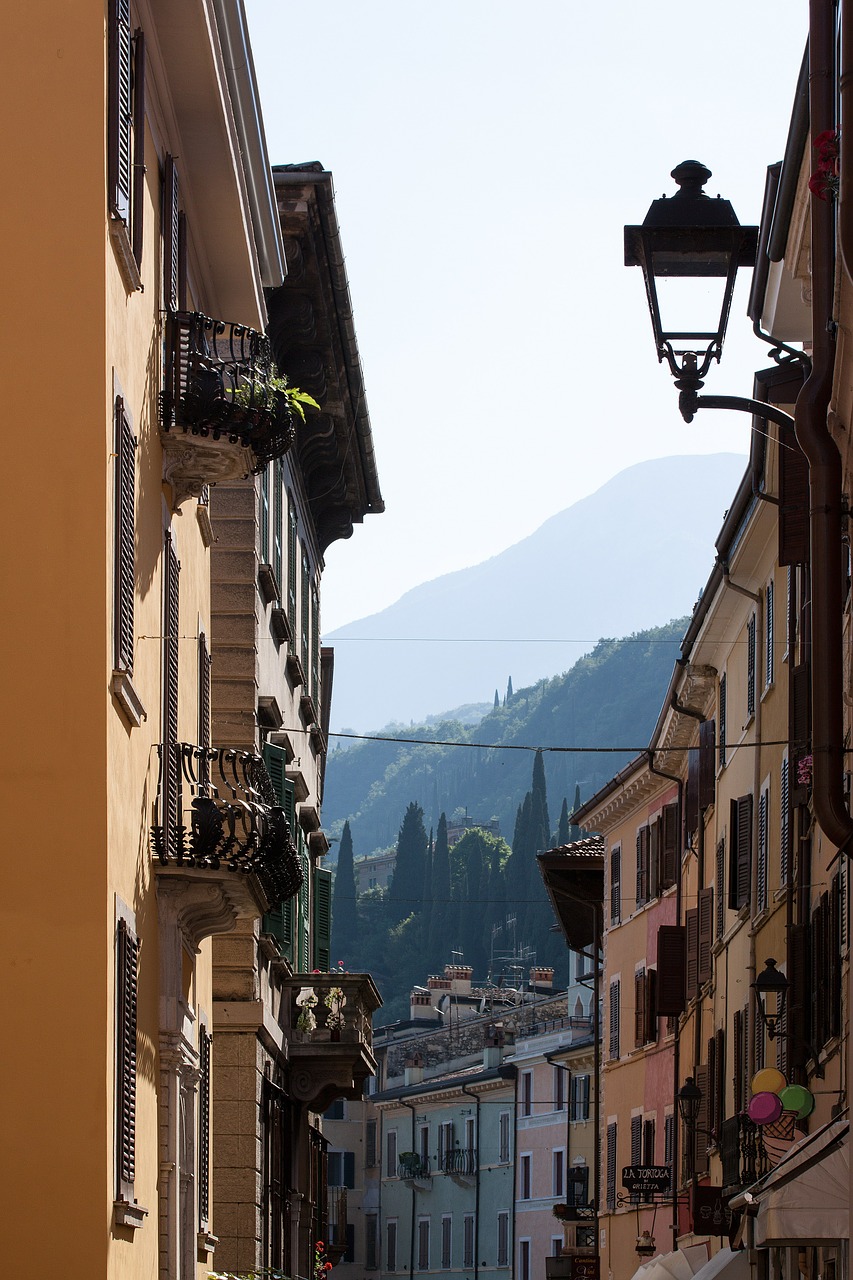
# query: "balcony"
[413,1167]
[222,833]
[336,1224]
[744,1156]
[459,1163]
[330,1035]
[224,412]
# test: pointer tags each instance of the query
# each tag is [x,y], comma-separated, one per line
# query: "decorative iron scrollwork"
[235,820]
[221,382]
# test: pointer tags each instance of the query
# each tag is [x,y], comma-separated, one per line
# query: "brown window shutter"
[834,954]
[203,691]
[120,108]
[738,1073]
[750,667]
[707,770]
[705,926]
[639,1008]
[651,1009]
[740,852]
[719,1083]
[614,1019]
[171,647]
[793,500]
[642,866]
[171,234]
[720,886]
[654,857]
[702,1120]
[127,958]
[712,1079]
[785,824]
[672,969]
[616,885]
[669,846]
[691,791]
[138,180]
[204,1127]
[691,924]
[125,541]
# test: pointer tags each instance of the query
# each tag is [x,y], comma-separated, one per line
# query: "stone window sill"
[121,687]
[129,1214]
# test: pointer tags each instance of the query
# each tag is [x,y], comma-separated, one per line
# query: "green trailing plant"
[260,393]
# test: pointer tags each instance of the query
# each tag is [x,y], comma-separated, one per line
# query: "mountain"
[635,551]
[610,698]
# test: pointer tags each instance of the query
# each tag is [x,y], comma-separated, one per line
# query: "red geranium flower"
[328,1266]
[319,1246]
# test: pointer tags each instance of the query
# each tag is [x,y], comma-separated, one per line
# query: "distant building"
[456,830]
[375,871]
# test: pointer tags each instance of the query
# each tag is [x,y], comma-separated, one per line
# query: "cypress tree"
[508,691]
[575,831]
[345,930]
[563,828]
[497,700]
[439,942]
[407,886]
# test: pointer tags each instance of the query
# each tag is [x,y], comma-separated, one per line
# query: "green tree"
[563,828]
[440,938]
[497,700]
[344,913]
[508,698]
[407,886]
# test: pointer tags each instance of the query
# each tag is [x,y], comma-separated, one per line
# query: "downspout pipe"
[476,1098]
[411,1107]
[825,476]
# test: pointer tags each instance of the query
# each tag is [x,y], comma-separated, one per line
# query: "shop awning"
[681,1264]
[733,1264]
[806,1199]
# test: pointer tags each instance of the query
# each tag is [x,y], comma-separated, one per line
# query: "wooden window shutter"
[305,602]
[705,925]
[784,825]
[712,1080]
[737,1073]
[648,1142]
[793,500]
[744,1061]
[651,1008]
[203,692]
[750,667]
[642,890]
[611,1165]
[691,925]
[171,235]
[616,885]
[204,1127]
[315,646]
[669,846]
[702,1125]
[769,629]
[292,543]
[834,956]
[672,969]
[761,868]
[691,790]
[719,1084]
[120,108]
[264,496]
[654,857]
[171,653]
[636,1149]
[322,919]
[614,1019]
[138,180]
[740,852]
[127,960]
[707,734]
[720,886]
[639,1008]
[723,719]
[277,521]
[281,922]
[124,540]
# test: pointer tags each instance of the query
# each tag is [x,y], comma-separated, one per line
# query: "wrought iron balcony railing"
[222,390]
[218,811]
[413,1166]
[742,1151]
[336,1222]
[461,1161]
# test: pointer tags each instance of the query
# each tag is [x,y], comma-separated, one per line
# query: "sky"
[486,156]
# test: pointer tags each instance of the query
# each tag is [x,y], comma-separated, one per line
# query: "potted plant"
[307,1020]
[334,1000]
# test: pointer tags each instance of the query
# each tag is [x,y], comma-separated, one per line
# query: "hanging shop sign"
[647,1177]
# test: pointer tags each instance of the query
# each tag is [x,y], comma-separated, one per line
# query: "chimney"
[413,1068]
[493,1046]
[437,988]
[459,977]
[541,976]
[421,1006]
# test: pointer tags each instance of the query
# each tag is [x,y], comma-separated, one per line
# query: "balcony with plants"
[225,410]
[330,1035]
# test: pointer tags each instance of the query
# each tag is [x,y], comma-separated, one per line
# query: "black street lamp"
[771,982]
[689,1099]
[688,243]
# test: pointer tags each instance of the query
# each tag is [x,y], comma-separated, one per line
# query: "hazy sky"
[486,156]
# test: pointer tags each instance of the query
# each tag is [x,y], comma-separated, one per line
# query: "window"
[305,592]
[503,1239]
[445,1143]
[524,1260]
[740,852]
[204,1041]
[468,1240]
[525,1175]
[504,1153]
[265,515]
[559,1088]
[750,667]
[336,1111]
[423,1244]
[370,1144]
[527,1093]
[556,1246]
[578,1185]
[719,885]
[203,694]
[642,866]
[722,721]
[784,824]
[371,1241]
[580,1097]
[446,1240]
[124,556]
[391,1154]
[291,571]
[558,1164]
[391,1245]
[636,1149]
[341,1169]
[616,885]
[171,632]
[127,130]
[614,1019]
[769,660]
[277,519]
[126,960]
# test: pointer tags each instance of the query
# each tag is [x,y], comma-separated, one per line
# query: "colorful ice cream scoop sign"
[772,1095]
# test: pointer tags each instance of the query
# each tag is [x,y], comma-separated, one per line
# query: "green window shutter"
[280,923]
[322,919]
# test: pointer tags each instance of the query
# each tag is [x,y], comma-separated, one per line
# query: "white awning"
[681,1264]
[806,1200]
[733,1263]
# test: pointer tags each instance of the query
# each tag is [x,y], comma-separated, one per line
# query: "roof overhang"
[574,877]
